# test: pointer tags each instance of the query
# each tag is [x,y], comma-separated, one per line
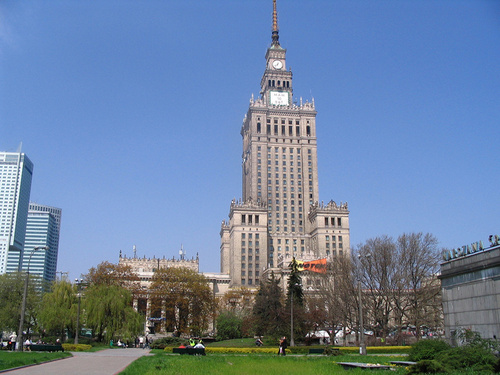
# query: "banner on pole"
[318,265]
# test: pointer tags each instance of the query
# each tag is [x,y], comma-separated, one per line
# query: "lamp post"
[362,344]
[79,284]
[20,340]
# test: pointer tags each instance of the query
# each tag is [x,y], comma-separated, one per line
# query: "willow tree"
[108,312]
[182,300]
[59,308]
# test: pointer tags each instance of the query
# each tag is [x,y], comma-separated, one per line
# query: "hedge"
[301,350]
[76,348]
[220,350]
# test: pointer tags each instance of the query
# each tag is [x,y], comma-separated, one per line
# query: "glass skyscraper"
[16,171]
[42,230]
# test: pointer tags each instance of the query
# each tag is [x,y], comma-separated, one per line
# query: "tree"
[229,326]
[183,299]
[58,309]
[108,311]
[419,258]
[378,264]
[335,304]
[107,273]
[11,296]
[268,308]
[295,299]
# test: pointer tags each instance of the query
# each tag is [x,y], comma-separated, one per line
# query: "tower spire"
[275,34]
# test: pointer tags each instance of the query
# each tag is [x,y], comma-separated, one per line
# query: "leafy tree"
[59,308]
[229,326]
[268,309]
[183,298]
[107,273]
[11,296]
[108,311]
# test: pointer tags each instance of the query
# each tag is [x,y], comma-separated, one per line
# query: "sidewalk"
[104,362]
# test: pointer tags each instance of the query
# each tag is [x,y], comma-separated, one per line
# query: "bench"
[189,350]
[403,363]
[45,348]
[368,366]
[316,351]
[322,350]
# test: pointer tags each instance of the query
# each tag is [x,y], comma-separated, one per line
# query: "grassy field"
[16,359]
[249,364]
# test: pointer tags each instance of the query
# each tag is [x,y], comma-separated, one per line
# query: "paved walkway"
[104,362]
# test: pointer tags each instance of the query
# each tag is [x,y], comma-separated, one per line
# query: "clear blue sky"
[131,113]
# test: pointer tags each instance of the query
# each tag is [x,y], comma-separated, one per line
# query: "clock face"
[279,98]
[277,64]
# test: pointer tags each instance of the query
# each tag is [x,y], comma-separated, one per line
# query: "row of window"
[330,221]
[249,219]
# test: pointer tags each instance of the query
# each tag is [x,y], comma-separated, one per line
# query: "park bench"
[45,348]
[316,351]
[322,350]
[403,363]
[189,350]
[367,366]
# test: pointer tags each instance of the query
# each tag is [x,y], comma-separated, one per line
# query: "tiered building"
[16,171]
[279,215]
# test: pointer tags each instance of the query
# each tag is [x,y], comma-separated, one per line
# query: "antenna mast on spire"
[275,34]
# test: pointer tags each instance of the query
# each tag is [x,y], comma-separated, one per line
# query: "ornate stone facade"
[279,216]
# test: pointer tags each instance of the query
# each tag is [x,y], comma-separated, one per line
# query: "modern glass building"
[42,230]
[16,171]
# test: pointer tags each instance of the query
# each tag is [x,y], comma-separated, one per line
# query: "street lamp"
[20,340]
[79,284]
[362,344]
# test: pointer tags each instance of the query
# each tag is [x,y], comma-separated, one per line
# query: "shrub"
[228,326]
[167,342]
[427,366]
[476,358]
[427,349]
[76,348]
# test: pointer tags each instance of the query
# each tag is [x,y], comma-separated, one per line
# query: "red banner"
[313,265]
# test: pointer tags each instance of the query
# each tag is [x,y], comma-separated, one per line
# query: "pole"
[292,342]
[20,341]
[78,316]
[362,347]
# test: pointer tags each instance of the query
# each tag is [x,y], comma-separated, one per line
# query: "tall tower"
[16,172]
[279,216]
[42,230]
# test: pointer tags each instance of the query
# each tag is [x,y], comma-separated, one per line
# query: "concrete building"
[470,281]
[16,171]
[42,230]
[280,215]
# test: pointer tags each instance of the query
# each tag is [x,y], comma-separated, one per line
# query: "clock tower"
[276,83]
[279,215]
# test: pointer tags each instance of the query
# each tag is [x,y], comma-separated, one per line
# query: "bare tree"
[334,304]
[419,257]
[378,264]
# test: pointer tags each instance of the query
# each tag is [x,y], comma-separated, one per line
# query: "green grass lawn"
[16,359]
[249,364]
